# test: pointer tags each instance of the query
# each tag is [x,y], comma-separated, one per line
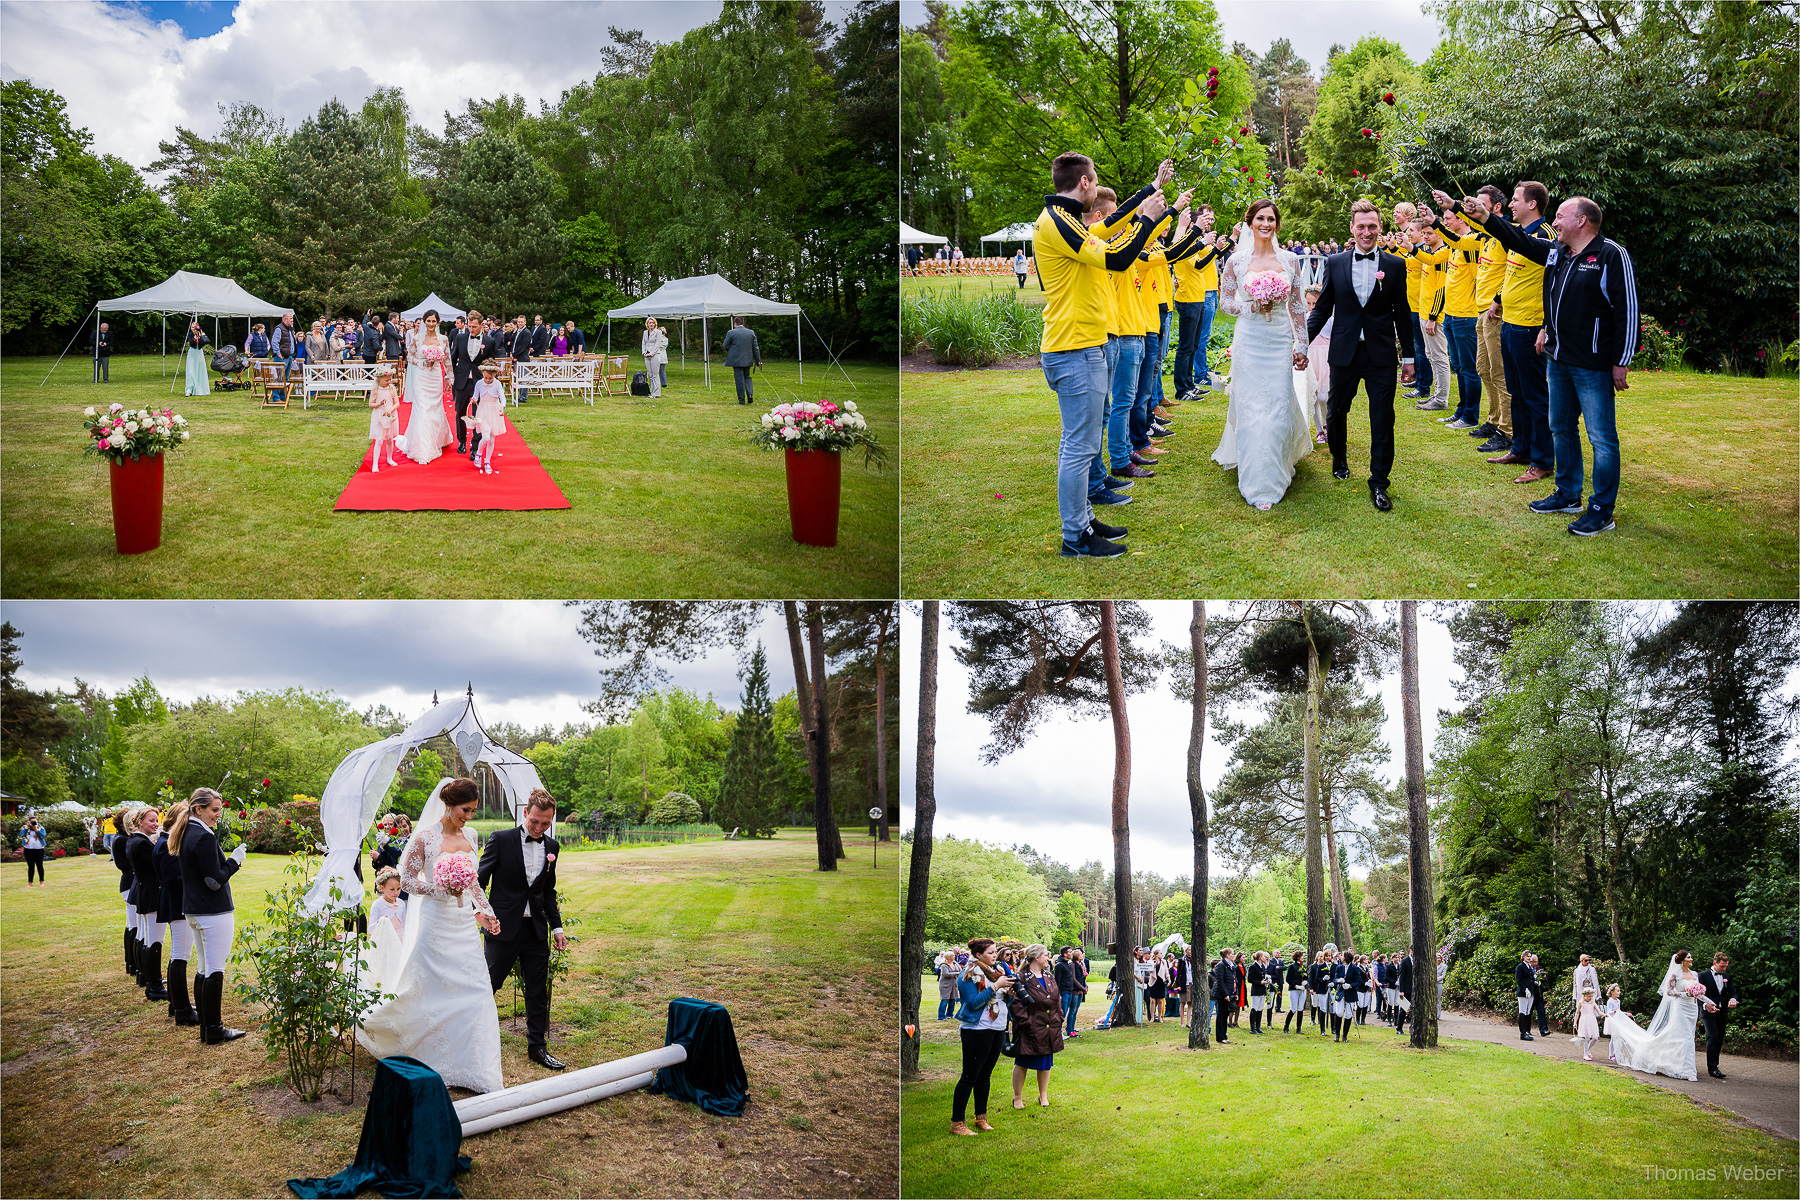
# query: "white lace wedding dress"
[1266,430]
[1667,1047]
[428,431]
[439,1007]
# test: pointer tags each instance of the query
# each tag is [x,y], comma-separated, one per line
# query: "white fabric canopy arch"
[1021,232]
[357,787]
[191,294]
[445,309]
[700,297]
[918,237]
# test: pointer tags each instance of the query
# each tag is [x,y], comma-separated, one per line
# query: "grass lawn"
[973,286]
[105,1097]
[1707,505]
[668,499]
[1135,1113]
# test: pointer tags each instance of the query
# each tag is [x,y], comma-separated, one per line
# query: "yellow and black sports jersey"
[1073,263]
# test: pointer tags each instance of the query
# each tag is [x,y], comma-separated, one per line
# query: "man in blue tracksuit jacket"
[1590,333]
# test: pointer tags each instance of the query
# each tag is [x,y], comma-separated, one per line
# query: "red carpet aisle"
[452,483]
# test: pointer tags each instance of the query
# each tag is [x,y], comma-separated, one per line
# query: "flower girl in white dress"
[387,928]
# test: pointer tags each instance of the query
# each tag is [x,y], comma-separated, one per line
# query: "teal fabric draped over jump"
[410,1136]
[713,1075]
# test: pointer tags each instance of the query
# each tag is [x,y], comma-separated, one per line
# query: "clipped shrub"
[676,808]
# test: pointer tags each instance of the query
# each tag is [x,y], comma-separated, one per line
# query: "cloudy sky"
[1311,25]
[526,658]
[132,72]
[1055,794]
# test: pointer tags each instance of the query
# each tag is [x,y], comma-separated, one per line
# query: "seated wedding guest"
[258,344]
[983,988]
[1037,1021]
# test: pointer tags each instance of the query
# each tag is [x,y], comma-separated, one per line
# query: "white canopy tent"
[188,293]
[910,237]
[355,790]
[1022,232]
[445,310]
[700,297]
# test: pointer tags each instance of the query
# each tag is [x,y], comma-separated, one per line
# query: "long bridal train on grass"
[1667,1047]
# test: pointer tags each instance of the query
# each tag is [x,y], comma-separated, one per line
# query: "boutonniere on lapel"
[549,858]
[1380,275]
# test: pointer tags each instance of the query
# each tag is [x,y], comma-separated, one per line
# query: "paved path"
[1764,1092]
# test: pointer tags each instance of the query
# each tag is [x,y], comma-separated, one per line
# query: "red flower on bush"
[59,852]
[1212,72]
[265,783]
[1368,132]
[1242,132]
[1387,98]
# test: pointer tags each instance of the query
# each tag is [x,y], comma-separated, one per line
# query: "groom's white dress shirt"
[534,866]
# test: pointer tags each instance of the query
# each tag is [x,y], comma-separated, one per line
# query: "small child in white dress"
[384,416]
[1607,1014]
[1318,370]
[387,926]
[1587,1023]
[487,416]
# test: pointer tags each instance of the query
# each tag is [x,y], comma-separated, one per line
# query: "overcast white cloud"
[131,79]
[525,659]
[1313,26]
[1056,793]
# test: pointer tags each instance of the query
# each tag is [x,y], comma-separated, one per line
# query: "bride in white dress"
[1667,1047]
[438,1006]
[1266,429]
[428,431]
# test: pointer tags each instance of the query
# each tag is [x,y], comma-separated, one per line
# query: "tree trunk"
[1124,907]
[1340,886]
[1315,867]
[912,932]
[802,678]
[825,828]
[881,788]
[1418,837]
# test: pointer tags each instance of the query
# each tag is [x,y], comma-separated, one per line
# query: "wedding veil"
[429,817]
[1665,1011]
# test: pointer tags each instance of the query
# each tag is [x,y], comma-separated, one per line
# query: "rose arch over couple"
[1363,300]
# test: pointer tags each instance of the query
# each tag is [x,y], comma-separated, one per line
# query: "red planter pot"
[137,503]
[814,486]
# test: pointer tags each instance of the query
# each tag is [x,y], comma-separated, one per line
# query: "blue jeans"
[1078,377]
[1149,371]
[1189,316]
[1121,425]
[1097,469]
[1530,393]
[946,1008]
[1071,1004]
[1580,393]
[1202,368]
[1460,333]
[1421,363]
[1162,344]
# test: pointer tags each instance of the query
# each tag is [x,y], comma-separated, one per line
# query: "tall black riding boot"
[130,962]
[154,990]
[1255,1020]
[139,955]
[1286,1022]
[180,1007]
[213,1029]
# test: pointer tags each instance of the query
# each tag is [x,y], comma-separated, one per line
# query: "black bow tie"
[1370,256]
[533,840]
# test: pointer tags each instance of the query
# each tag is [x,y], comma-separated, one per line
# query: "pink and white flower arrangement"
[1267,290]
[1697,990]
[120,433]
[453,871]
[434,355]
[826,425]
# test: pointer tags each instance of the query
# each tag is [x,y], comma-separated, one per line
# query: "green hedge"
[62,831]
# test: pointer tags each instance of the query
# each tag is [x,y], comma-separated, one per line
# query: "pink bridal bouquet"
[1267,289]
[453,872]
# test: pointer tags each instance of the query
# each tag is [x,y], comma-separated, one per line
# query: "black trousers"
[465,436]
[1543,1018]
[103,369]
[1377,379]
[1715,1037]
[34,861]
[532,953]
[981,1050]
[1225,1010]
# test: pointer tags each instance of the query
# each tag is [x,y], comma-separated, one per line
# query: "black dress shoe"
[1379,498]
[1141,459]
[1716,1073]
[542,1058]
[1340,472]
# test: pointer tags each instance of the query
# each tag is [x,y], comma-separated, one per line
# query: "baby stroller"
[230,365]
[1112,1007]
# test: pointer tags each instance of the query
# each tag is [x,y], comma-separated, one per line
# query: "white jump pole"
[525,1101]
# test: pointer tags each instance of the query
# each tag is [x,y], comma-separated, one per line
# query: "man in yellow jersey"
[1459,317]
[1522,315]
[1405,213]
[1432,257]
[1103,489]
[1072,266]
[1113,225]
[1196,304]
[1490,277]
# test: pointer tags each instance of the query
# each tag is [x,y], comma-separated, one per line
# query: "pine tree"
[751,790]
[336,241]
[499,248]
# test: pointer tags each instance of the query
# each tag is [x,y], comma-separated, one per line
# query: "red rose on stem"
[1388,98]
[1368,133]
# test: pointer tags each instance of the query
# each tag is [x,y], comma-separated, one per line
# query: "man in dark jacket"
[521,352]
[103,348]
[1525,981]
[1589,335]
[1721,998]
[741,354]
[1225,982]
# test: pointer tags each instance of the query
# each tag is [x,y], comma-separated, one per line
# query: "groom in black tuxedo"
[1366,288]
[1721,998]
[518,871]
[467,352]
